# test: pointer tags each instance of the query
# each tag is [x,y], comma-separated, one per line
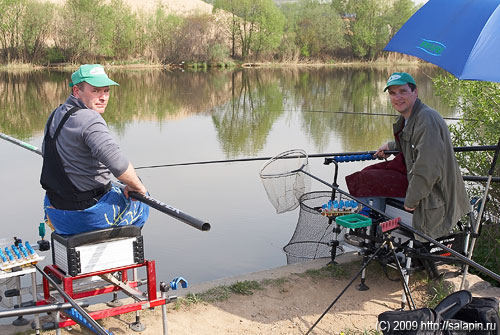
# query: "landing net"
[313,232]
[283,181]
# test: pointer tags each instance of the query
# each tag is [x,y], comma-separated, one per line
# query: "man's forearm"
[129,177]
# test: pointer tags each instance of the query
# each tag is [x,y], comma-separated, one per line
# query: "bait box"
[353,221]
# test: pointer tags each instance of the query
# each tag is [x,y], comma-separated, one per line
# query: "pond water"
[165,117]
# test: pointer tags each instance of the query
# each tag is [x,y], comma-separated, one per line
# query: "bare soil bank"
[290,299]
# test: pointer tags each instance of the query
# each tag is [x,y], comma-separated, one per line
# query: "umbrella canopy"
[460,36]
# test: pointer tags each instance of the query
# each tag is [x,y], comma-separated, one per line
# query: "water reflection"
[244,104]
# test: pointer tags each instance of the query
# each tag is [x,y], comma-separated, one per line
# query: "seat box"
[97,250]
[395,208]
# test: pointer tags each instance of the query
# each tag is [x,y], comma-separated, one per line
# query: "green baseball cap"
[92,74]
[399,78]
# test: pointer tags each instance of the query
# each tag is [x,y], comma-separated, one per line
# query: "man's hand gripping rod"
[162,207]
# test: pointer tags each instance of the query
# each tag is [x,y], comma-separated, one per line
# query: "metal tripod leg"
[406,276]
[345,288]
[362,286]
[404,279]
[137,326]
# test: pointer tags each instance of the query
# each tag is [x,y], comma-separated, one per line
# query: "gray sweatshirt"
[88,152]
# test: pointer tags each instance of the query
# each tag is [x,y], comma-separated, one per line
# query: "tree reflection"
[245,121]
[243,104]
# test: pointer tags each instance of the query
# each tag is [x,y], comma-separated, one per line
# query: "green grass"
[219,293]
[339,271]
[245,287]
[187,301]
[437,291]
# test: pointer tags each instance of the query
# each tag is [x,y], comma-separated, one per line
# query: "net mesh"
[314,231]
[283,181]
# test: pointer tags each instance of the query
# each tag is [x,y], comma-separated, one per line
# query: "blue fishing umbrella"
[460,36]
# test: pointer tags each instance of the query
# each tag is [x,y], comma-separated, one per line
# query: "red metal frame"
[67,285]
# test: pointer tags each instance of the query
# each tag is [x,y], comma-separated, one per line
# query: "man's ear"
[75,91]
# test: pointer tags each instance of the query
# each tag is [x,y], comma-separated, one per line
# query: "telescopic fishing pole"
[250,159]
[161,206]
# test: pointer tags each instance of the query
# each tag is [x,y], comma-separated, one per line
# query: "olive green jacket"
[435,186]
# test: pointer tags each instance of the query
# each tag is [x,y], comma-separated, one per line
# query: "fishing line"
[384,114]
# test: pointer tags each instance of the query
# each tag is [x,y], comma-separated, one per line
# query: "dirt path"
[288,300]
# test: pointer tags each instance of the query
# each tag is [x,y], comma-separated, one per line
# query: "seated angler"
[425,174]
[79,158]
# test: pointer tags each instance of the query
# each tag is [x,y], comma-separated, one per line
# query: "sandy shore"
[288,301]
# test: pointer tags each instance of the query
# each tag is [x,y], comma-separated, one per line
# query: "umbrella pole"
[480,215]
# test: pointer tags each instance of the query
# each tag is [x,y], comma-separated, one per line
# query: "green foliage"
[124,34]
[10,31]
[36,28]
[368,30]
[161,32]
[317,27]
[188,300]
[479,105]
[437,291]
[24,29]
[256,24]
[53,55]
[399,13]
[110,31]
[84,30]
[218,293]
[245,287]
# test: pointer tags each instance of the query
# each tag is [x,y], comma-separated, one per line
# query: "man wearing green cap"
[79,158]
[436,191]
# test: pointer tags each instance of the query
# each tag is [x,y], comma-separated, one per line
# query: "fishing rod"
[156,204]
[250,159]
[382,114]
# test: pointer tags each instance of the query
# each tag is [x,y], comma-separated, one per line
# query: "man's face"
[95,98]
[402,98]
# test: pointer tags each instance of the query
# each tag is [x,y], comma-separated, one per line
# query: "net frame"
[283,181]
[314,231]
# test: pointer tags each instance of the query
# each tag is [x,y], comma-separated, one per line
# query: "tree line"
[79,31]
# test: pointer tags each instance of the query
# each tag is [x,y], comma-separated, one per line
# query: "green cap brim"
[97,82]
[394,83]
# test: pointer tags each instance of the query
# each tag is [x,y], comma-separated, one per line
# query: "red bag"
[386,179]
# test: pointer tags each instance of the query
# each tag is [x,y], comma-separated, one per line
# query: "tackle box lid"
[95,236]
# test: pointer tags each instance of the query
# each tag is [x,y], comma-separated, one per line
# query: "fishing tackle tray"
[97,250]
